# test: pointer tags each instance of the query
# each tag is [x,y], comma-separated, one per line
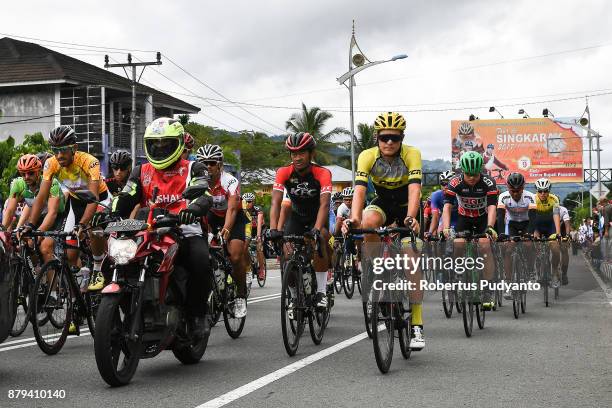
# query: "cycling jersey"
[390,179]
[83,169]
[471,200]
[545,209]
[113,186]
[437,206]
[20,190]
[564,216]
[304,190]
[251,215]
[227,186]
[517,210]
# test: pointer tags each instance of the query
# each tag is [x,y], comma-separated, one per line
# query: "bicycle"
[338,283]
[450,298]
[388,312]
[24,275]
[298,295]
[261,281]
[520,274]
[543,266]
[58,278]
[470,293]
[225,290]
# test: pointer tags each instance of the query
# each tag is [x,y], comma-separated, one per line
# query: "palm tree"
[313,121]
[366,137]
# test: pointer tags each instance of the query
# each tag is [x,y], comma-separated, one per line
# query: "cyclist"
[395,170]
[564,218]
[75,170]
[476,196]
[170,175]
[227,216]
[516,212]
[437,205]
[25,188]
[427,213]
[548,222]
[189,144]
[254,227]
[309,186]
[465,141]
[333,210]
[121,165]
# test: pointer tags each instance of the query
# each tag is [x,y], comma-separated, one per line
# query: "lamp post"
[525,114]
[357,63]
[494,109]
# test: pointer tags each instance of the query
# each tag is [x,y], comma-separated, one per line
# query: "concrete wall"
[23,103]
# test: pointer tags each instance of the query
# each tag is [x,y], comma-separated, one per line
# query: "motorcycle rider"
[167,172]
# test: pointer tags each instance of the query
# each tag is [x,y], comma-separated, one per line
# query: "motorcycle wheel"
[117,357]
[190,353]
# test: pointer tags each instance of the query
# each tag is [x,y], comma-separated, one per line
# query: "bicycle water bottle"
[220,278]
[307,283]
[84,273]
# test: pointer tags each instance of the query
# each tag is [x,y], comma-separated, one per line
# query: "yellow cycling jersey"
[390,179]
[83,169]
[546,208]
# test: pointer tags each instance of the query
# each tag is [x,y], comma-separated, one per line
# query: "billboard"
[534,147]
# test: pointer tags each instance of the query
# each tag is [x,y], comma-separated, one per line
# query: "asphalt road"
[559,356]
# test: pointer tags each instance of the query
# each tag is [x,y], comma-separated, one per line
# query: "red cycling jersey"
[304,190]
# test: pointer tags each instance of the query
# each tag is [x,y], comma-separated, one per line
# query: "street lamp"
[473,117]
[546,113]
[359,61]
[494,109]
[525,114]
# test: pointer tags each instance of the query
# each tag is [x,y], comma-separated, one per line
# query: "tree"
[365,139]
[313,121]
[9,154]
[184,119]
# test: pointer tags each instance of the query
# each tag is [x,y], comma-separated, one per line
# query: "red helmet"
[300,141]
[189,142]
[28,162]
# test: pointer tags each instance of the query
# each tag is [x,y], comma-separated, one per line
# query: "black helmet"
[515,180]
[62,136]
[120,158]
[337,196]
[300,141]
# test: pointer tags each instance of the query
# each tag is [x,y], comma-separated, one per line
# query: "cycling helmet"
[62,136]
[542,184]
[164,142]
[515,180]
[209,152]
[248,197]
[189,141]
[120,158]
[445,176]
[337,196]
[347,192]
[466,129]
[300,141]
[471,163]
[390,120]
[43,157]
[490,146]
[28,162]
[468,145]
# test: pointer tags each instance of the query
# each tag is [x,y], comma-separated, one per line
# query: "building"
[41,89]
[341,178]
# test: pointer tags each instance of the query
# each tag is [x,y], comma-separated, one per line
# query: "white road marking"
[280,373]
[49,336]
[606,290]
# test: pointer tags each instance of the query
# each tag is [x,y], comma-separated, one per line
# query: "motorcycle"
[142,309]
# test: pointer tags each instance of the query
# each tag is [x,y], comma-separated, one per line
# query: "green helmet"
[471,163]
[164,142]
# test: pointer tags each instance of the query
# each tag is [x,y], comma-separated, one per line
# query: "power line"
[220,94]
[76,44]
[27,120]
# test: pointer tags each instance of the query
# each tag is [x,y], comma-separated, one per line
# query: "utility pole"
[133,65]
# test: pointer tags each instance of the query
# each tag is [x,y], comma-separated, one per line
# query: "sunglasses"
[515,190]
[28,173]
[57,150]
[210,163]
[120,167]
[387,138]
[543,191]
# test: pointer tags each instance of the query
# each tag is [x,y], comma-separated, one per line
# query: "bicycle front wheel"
[292,310]
[383,333]
[21,299]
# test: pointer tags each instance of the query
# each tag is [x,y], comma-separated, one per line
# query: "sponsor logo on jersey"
[302,190]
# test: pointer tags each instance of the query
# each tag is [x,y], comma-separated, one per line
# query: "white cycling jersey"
[344,211]
[563,214]
[517,211]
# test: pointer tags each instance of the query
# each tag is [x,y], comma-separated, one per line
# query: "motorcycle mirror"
[193,192]
[86,195]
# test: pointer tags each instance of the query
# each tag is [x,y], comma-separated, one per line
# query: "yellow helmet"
[390,120]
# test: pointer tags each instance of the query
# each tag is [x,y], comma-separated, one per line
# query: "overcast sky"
[281,53]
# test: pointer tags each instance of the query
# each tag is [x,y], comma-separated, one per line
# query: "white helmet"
[248,197]
[347,192]
[209,152]
[446,176]
[542,184]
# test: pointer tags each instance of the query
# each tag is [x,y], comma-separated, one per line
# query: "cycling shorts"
[477,225]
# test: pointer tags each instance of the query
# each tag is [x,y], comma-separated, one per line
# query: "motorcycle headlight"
[122,250]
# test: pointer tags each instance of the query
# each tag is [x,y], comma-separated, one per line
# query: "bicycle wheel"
[292,321]
[233,324]
[523,301]
[348,282]
[338,279]
[447,303]
[404,333]
[261,281]
[52,296]
[383,339]
[92,303]
[367,318]
[316,323]
[480,315]
[215,307]
[21,299]
[546,280]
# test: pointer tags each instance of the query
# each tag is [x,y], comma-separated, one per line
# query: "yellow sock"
[417,317]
